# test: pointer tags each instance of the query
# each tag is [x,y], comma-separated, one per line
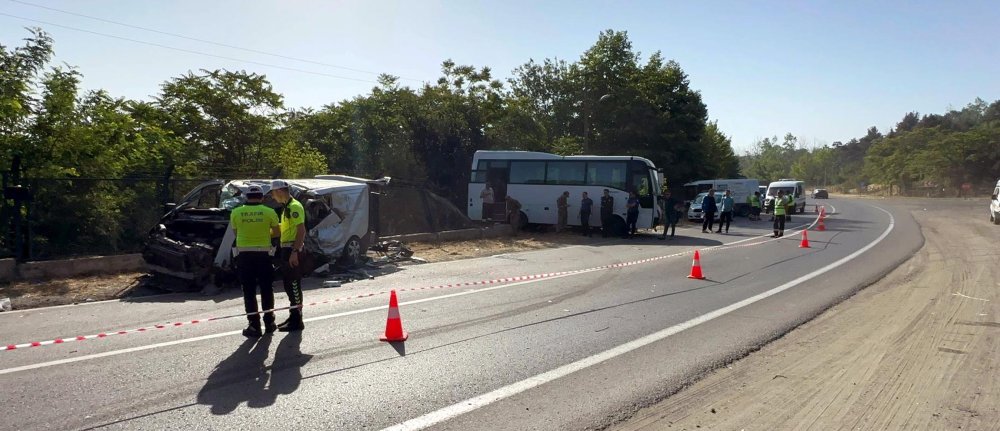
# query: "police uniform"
[292,216]
[607,213]
[253,223]
[780,208]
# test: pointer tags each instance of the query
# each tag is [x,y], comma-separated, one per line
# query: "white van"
[740,189]
[995,205]
[795,188]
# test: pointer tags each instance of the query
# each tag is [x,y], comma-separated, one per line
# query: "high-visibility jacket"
[754,201]
[780,205]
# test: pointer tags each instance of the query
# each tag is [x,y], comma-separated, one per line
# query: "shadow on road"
[245,377]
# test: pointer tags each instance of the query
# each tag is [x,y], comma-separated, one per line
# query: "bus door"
[498,177]
[643,185]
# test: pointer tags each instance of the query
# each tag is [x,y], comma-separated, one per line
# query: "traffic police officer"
[255,225]
[780,208]
[293,235]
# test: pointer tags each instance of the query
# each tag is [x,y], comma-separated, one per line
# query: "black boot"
[294,325]
[252,331]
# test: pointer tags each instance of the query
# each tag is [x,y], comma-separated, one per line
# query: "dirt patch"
[455,250]
[34,294]
[917,350]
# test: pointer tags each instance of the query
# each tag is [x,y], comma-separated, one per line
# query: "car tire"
[353,252]
[996,220]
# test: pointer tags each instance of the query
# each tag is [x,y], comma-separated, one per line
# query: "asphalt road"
[578,351]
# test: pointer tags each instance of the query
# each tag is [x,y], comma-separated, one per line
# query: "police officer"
[607,212]
[780,207]
[293,236]
[255,225]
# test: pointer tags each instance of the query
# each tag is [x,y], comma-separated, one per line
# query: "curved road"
[574,351]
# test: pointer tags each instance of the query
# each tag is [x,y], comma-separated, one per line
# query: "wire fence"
[68,217]
[73,217]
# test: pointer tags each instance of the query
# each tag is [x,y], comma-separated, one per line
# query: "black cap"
[255,192]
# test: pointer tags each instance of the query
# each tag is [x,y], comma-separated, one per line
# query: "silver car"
[695,213]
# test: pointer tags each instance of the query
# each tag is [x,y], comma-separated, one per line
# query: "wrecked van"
[193,241]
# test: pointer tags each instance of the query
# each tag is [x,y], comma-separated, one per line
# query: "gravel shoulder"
[917,350]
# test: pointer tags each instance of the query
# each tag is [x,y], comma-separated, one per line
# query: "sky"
[824,71]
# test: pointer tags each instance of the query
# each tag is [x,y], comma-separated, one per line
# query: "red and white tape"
[369,295]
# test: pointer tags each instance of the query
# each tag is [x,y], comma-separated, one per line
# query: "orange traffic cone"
[821,227]
[394,325]
[696,267]
[805,239]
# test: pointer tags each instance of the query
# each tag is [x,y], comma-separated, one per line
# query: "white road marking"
[969,297]
[324,317]
[472,404]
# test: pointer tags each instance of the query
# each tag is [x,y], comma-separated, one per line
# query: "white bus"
[536,180]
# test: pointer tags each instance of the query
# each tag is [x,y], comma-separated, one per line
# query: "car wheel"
[353,252]
[996,220]
[744,211]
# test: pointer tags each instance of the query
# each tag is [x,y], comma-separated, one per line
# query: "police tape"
[514,279]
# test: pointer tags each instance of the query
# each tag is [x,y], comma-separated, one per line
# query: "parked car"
[820,194]
[193,241]
[740,188]
[995,205]
[695,214]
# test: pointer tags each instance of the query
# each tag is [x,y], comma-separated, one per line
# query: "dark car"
[821,194]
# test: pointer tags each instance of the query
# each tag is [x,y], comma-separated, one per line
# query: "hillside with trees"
[112,158]
[929,155]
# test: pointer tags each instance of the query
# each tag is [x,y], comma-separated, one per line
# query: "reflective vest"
[780,204]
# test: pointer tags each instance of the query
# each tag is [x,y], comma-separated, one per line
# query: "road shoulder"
[916,350]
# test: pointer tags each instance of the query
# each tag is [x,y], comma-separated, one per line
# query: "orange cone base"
[696,277]
[399,337]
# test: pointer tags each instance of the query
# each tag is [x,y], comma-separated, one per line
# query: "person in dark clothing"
[607,212]
[708,210]
[255,225]
[632,215]
[670,214]
[586,206]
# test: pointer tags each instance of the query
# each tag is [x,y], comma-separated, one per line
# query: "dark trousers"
[632,219]
[605,224]
[709,221]
[727,218]
[255,272]
[670,226]
[779,224]
[291,278]
[585,223]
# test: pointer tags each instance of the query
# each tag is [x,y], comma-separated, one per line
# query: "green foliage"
[231,124]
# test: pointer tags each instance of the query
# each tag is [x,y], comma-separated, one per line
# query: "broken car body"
[193,241]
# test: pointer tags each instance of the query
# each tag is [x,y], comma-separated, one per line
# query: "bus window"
[565,173]
[607,174]
[478,177]
[527,172]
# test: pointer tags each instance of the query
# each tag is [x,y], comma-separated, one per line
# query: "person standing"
[670,214]
[562,203]
[780,207]
[293,235]
[726,211]
[632,214]
[513,213]
[755,206]
[586,206]
[487,196]
[255,225]
[708,210]
[607,212]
